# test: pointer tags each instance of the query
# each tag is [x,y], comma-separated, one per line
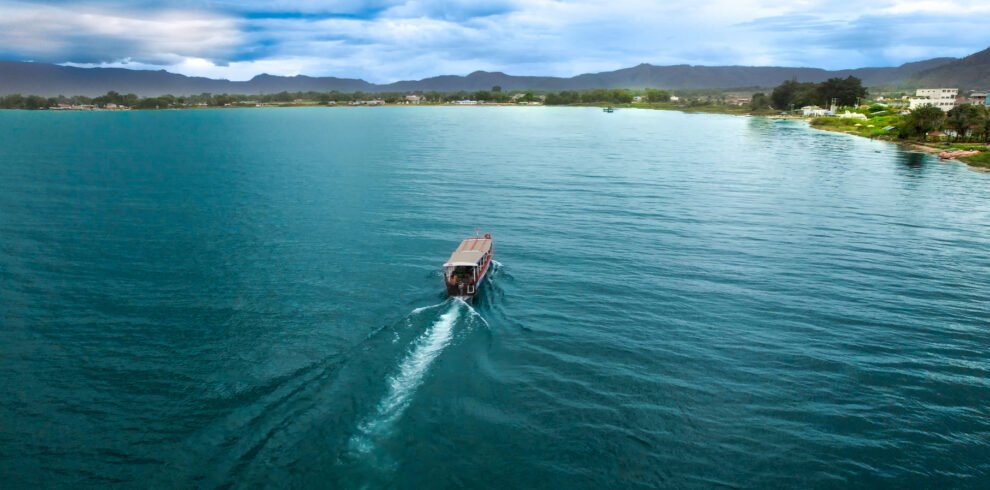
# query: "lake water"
[252,298]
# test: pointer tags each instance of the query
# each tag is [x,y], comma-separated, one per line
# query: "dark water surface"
[251,298]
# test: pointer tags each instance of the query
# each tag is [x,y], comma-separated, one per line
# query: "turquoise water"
[252,298]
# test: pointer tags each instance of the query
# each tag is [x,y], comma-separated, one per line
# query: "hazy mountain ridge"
[50,80]
[972,71]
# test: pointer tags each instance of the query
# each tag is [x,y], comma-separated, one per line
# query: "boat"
[465,271]
[609,109]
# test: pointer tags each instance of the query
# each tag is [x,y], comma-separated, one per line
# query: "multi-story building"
[943,98]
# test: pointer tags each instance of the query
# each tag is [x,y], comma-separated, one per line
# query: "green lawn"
[982,160]
[863,129]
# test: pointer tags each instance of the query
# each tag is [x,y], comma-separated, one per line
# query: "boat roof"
[469,252]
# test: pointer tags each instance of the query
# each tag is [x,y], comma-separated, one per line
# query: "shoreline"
[915,146]
[921,147]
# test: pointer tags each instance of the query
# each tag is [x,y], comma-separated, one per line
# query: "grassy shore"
[870,128]
[873,128]
[981,161]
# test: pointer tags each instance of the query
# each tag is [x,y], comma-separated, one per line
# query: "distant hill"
[971,72]
[50,80]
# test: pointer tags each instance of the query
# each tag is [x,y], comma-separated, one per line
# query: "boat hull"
[468,266]
[470,290]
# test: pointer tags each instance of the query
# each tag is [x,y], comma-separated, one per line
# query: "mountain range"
[49,80]
[972,71]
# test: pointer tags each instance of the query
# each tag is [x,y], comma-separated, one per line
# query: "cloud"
[873,39]
[388,40]
[63,32]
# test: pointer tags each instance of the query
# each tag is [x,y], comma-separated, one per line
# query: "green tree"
[562,98]
[807,94]
[148,103]
[13,101]
[922,121]
[497,88]
[985,123]
[847,91]
[35,102]
[962,117]
[792,93]
[620,96]
[783,94]
[759,102]
[656,95]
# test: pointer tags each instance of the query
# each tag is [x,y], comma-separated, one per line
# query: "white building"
[813,111]
[853,115]
[943,98]
[413,99]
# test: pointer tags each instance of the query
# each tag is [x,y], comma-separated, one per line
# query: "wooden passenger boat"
[465,271]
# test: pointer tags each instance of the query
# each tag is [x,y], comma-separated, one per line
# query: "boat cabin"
[467,266]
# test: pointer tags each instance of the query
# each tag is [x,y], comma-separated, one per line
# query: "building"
[414,99]
[853,115]
[943,98]
[813,111]
[738,100]
[978,98]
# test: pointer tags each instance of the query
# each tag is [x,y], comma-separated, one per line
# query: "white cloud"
[388,40]
[91,33]
[940,7]
[235,71]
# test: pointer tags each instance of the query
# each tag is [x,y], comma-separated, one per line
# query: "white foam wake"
[403,384]
[474,313]
[421,309]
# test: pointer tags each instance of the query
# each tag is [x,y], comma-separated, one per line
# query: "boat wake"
[403,384]
[474,313]
[421,309]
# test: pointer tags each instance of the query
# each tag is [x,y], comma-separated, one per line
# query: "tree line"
[967,122]
[793,94]
[495,95]
[18,101]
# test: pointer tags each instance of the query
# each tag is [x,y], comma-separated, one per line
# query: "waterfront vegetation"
[842,91]
[966,127]
[132,101]
[727,101]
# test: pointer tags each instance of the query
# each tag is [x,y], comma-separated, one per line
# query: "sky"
[383,41]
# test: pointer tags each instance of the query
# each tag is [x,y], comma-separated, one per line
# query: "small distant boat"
[609,109]
[465,270]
